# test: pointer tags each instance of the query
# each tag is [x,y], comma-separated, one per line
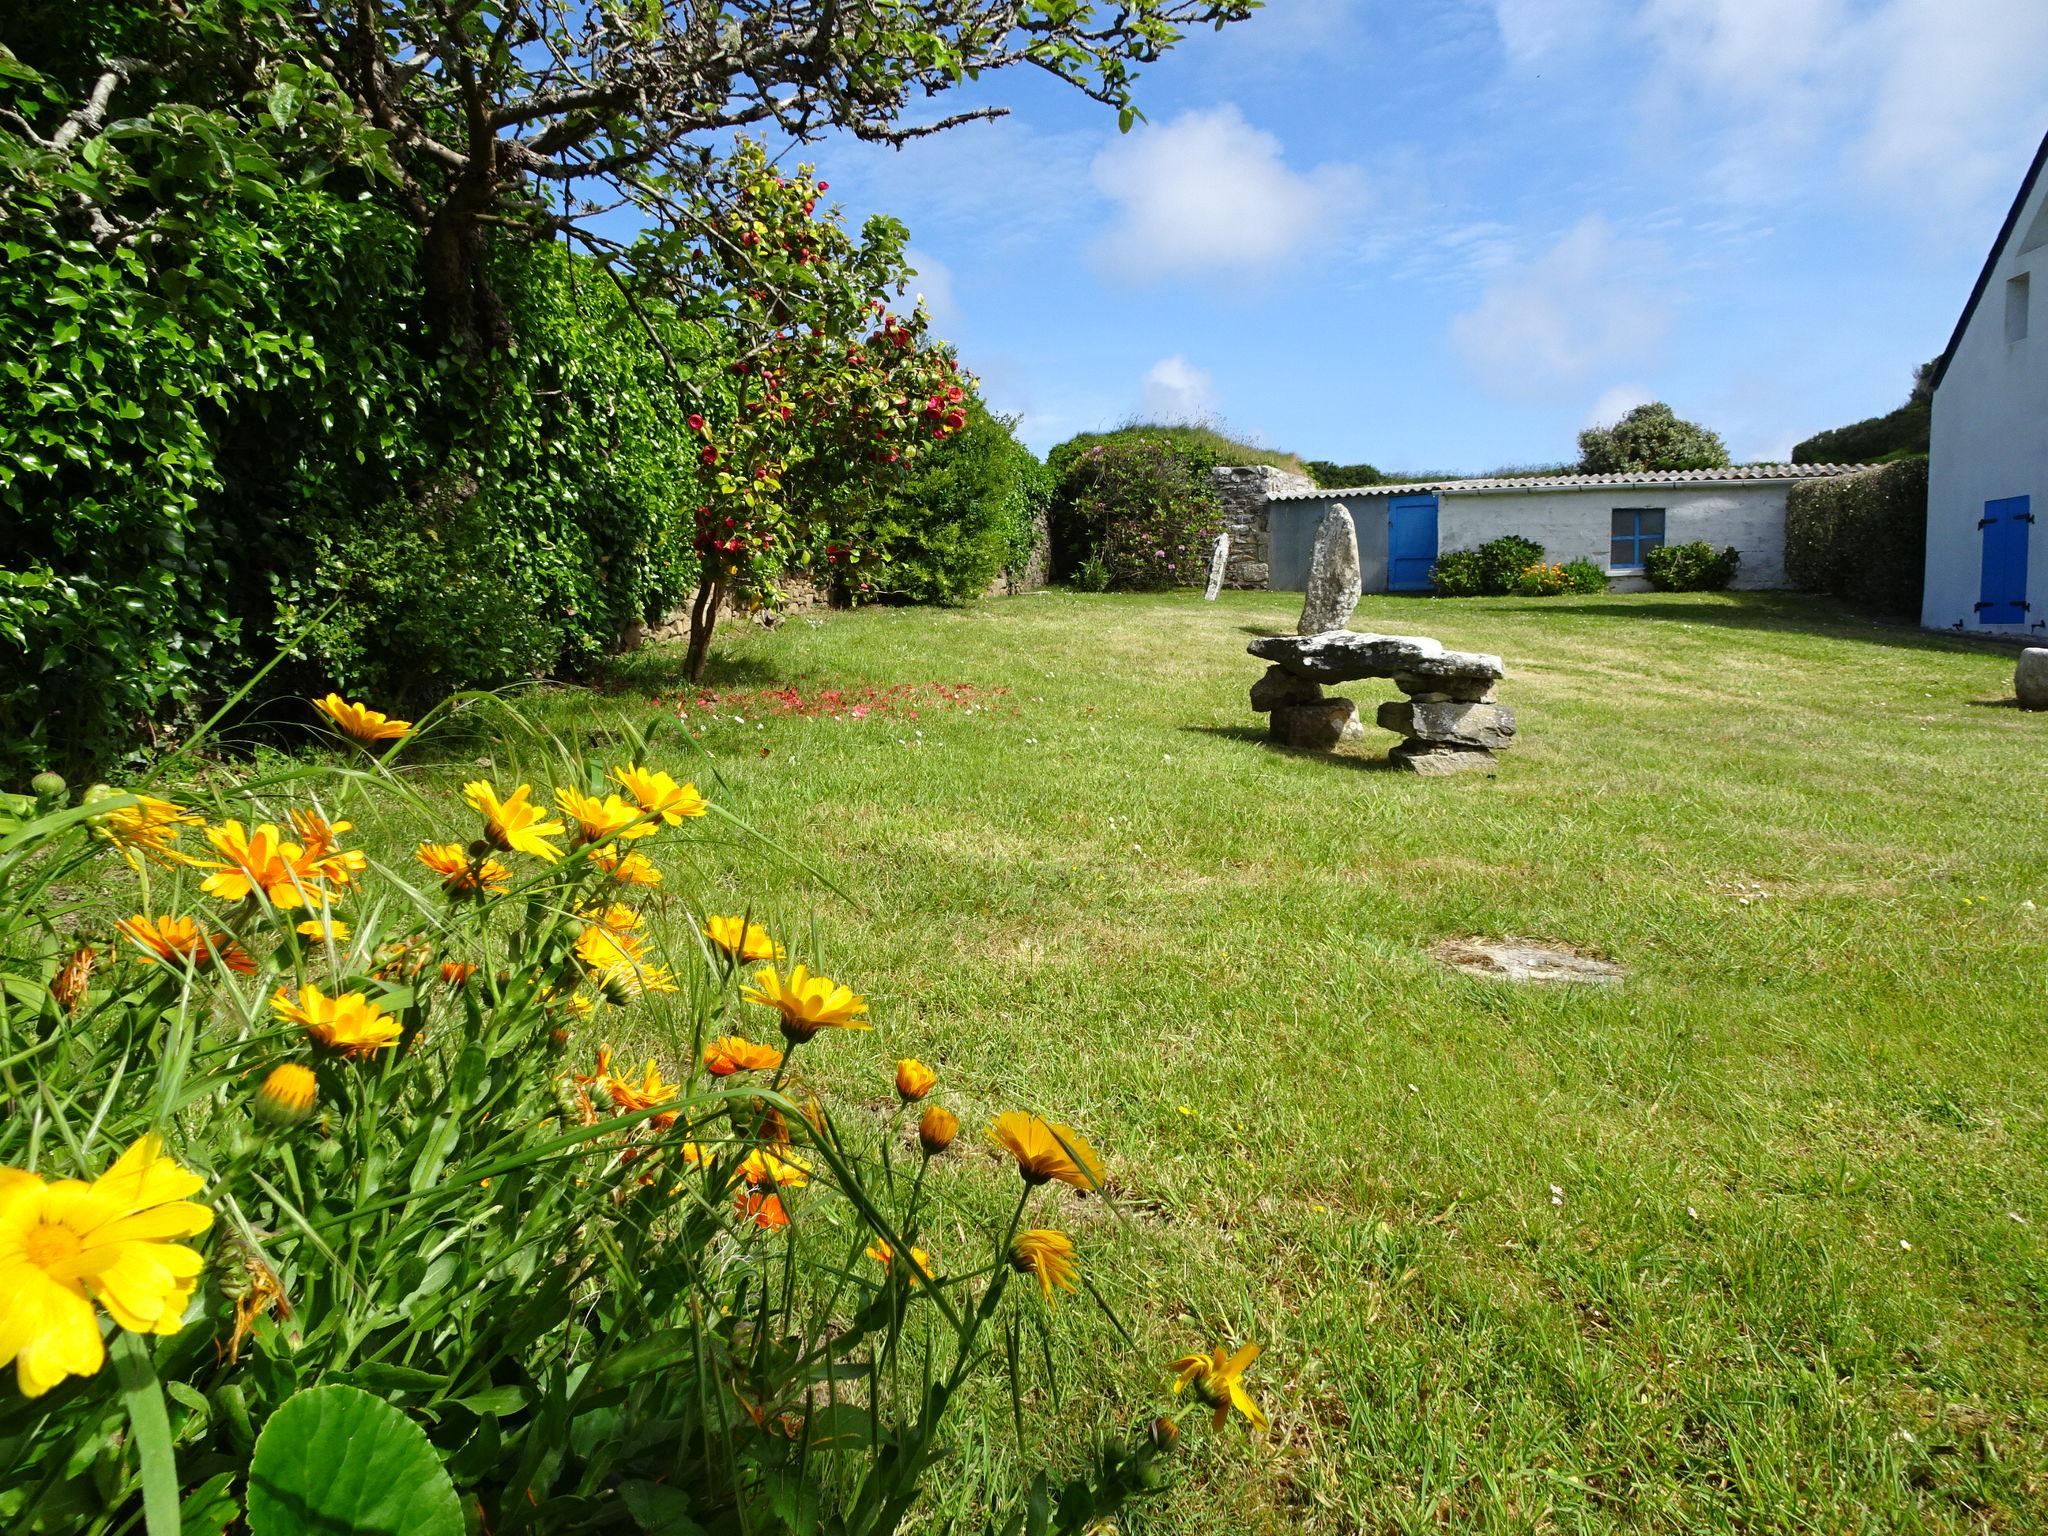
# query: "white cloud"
[1534,31]
[1176,390]
[934,284]
[1578,308]
[1616,403]
[1209,193]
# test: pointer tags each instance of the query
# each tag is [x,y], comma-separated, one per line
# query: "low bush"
[1554,580]
[1694,567]
[972,507]
[1494,569]
[1142,509]
[385,1236]
[1862,536]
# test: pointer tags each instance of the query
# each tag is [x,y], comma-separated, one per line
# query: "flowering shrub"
[324,1203]
[1494,569]
[1541,579]
[1142,510]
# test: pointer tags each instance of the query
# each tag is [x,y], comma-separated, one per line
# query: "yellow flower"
[618,917]
[762,1169]
[575,1004]
[936,1128]
[1049,1255]
[914,1080]
[324,928]
[920,1261]
[350,1024]
[145,829]
[1047,1151]
[1217,1382]
[646,1093]
[322,840]
[67,1244]
[659,795]
[360,721]
[460,874]
[735,1053]
[618,963]
[261,861]
[287,1095]
[514,823]
[599,821]
[181,942]
[741,939]
[626,868]
[807,1003]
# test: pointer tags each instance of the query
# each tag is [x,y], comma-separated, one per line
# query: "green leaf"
[338,1462]
[144,1401]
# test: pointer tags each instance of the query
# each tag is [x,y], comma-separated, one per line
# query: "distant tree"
[1343,476]
[1650,437]
[1896,434]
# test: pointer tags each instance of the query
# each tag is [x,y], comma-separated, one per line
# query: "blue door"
[1411,542]
[2002,595]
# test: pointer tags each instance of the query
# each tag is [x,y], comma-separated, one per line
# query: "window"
[1636,529]
[2016,308]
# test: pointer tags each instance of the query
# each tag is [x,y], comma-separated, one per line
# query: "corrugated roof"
[1586,482]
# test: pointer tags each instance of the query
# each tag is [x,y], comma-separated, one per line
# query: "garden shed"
[1608,519]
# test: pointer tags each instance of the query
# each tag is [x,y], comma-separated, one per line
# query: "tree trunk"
[460,302]
[703,619]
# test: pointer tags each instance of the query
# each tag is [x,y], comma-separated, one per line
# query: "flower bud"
[1163,1433]
[914,1080]
[47,786]
[936,1128]
[287,1096]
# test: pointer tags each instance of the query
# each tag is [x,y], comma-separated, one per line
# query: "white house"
[1608,519]
[1987,469]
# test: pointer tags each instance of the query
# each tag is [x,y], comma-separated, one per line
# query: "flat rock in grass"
[1318,727]
[1526,960]
[1435,690]
[1344,656]
[1437,759]
[1280,687]
[1451,721]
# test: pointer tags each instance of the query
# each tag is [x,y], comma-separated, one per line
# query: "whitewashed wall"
[1990,437]
[1578,524]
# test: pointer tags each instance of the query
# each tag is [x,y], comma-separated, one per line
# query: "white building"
[1607,519]
[1987,471]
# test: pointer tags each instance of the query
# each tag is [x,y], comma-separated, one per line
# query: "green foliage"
[338,1461]
[1649,437]
[1894,435]
[1494,569]
[1584,576]
[1694,567]
[972,507]
[1861,536]
[1551,579]
[1342,476]
[1201,448]
[1140,508]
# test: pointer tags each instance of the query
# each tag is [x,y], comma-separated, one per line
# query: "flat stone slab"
[1435,690]
[1438,758]
[1526,960]
[1344,656]
[1451,721]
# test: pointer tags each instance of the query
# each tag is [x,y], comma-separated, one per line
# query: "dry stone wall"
[1243,490]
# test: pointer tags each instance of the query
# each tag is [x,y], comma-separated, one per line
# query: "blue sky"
[1448,234]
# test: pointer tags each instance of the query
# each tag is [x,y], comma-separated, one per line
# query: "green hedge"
[1861,536]
[1133,516]
[1694,567]
[970,509]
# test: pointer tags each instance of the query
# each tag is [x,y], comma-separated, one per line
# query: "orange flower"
[462,875]
[626,868]
[914,1080]
[261,861]
[1049,1255]
[179,941]
[763,1208]
[735,1053]
[936,1128]
[920,1261]
[1047,1151]
[322,840]
[287,1095]
[350,1024]
[1218,1382]
[144,830]
[457,972]
[649,1091]
[360,721]
[618,963]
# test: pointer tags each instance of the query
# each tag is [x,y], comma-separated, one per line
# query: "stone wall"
[1036,570]
[1243,490]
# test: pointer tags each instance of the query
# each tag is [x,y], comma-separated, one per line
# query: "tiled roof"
[1587,482]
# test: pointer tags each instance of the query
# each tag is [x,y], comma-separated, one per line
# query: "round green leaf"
[335,1461]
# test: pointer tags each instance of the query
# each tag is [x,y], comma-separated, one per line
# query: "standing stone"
[1333,575]
[2030,678]
[1319,727]
[1219,561]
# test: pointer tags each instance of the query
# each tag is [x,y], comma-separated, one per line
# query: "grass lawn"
[1751,1241]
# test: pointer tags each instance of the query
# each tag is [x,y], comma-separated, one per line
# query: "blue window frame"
[1636,531]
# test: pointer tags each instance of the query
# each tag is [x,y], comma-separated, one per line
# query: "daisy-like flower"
[182,942]
[649,1090]
[457,972]
[321,839]
[1047,1151]
[350,1024]
[574,1004]
[359,721]
[514,823]
[936,1128]
[763,1169]
[657,794]
[460,874]
[735,1053]
[914,1080]
[67,1244]
[599,821]
[324,929]
[1049,1255]
[1218,1382]
[144,830]
[618,963]
[762,1207]
[741,939]
[287,1095]
[618,917]
[261,861]
[920,1262]
[807,1003]
[626,868]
